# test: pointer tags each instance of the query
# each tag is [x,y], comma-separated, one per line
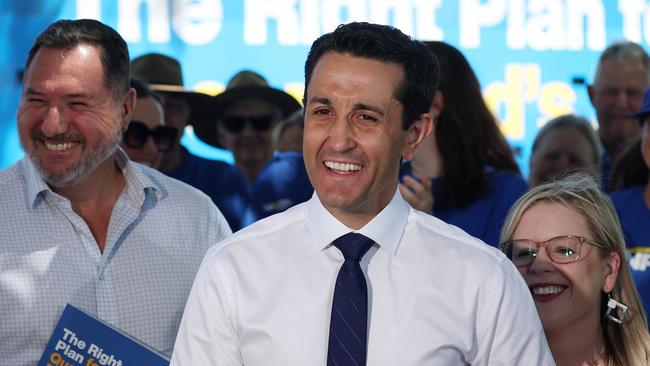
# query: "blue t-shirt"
[635,221]
[484,217]
[224,183]
[282,183]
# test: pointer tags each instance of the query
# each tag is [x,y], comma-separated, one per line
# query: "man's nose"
[55,122]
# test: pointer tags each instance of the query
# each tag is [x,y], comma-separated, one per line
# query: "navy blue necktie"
[349,323]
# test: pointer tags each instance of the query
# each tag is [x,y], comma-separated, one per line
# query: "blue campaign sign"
[81,339]
[532,56]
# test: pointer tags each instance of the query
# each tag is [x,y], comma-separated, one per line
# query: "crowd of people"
[383,221]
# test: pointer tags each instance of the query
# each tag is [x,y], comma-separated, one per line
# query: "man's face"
[353,135]
[616,95]
[68,120]
[246,128]
[176,111]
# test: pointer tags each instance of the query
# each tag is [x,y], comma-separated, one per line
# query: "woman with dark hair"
[464,173]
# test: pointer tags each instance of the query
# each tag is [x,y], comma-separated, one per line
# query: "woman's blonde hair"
[625,344]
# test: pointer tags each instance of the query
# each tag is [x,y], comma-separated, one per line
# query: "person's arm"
[207,334]
[508,328]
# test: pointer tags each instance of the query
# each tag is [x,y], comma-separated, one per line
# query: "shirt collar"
[385,229]
[136,180]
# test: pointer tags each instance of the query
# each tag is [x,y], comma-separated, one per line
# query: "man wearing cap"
[245,115]
[80,223]
[219,180]
[622,74]
[355,275]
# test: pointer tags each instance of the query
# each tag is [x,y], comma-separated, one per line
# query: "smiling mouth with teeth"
[59,146]
[344,167]
[547,290]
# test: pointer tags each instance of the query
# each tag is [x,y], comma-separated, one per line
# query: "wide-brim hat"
[644,111]
[244,85]
[164,75]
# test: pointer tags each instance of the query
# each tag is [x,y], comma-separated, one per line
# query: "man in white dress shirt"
[436,296]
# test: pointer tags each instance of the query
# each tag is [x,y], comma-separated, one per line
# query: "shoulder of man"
[11,175]
[274,225]
[444,238]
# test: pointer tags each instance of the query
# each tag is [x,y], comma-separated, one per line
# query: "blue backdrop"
[526,52]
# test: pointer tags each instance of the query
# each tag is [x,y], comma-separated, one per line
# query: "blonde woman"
[566,241]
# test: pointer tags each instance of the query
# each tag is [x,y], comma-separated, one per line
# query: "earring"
[611,306]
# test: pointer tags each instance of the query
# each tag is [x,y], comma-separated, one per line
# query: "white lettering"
[425,24]
[544,29]
[309,21]
[89,9]
[402,11]
[197,22]
[516,25]
[332,13]
[257,14]
[129,24]
[632,12]
[474,14]
[594,11]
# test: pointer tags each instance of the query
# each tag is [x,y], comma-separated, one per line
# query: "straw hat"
[244,85]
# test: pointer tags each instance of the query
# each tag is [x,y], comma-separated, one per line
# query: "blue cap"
[645,107]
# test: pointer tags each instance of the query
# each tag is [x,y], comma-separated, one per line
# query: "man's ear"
[423,126]
[590,92]
[126,107]
[416,133]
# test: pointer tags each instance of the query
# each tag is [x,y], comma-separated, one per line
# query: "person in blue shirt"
[632,203]
[283,183]
[221,181]
[243,119]
[464,172]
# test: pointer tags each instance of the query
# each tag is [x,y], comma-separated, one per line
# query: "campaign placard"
[81,339]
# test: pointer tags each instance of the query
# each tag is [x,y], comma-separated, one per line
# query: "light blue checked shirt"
[159,231]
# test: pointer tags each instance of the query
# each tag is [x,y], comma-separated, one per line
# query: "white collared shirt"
[436,295]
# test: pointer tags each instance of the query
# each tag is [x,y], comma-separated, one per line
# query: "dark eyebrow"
[31,91]
[320,101]
[369,108]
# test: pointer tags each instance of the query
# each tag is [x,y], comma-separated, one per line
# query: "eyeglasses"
[560,249]
[236,124]
[137,133]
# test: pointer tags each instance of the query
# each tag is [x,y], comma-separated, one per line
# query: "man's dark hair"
[67,34]
[387,44]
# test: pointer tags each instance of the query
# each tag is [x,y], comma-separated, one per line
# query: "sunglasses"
[138,133]
[236,124]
